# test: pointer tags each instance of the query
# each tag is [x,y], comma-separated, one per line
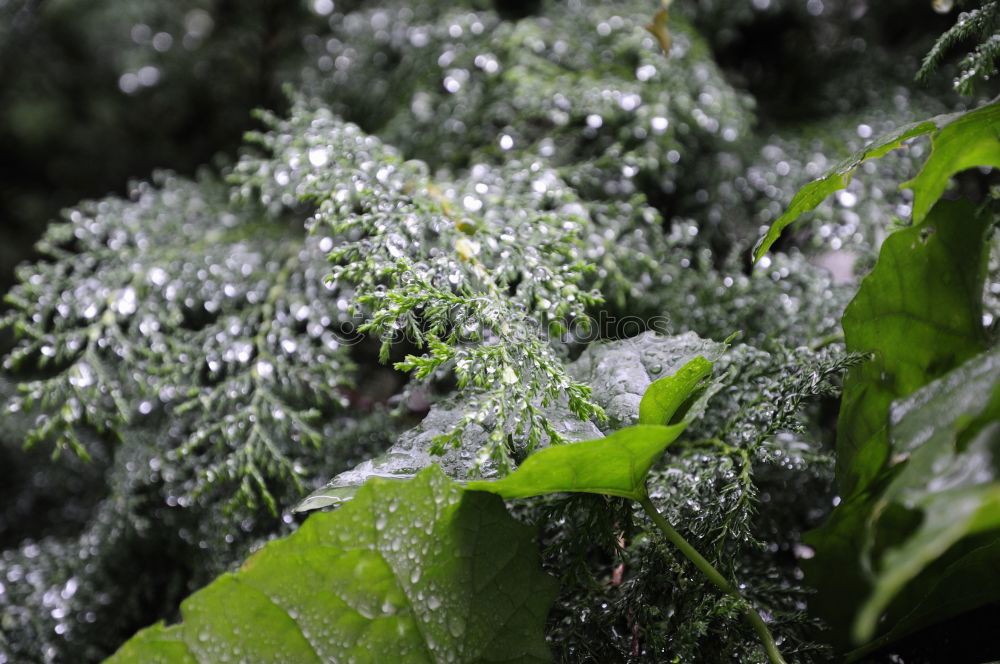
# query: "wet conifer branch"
[713,575]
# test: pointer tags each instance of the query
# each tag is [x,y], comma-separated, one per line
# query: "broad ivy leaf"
[614,466]
[959,141]
[919,312]
[618,372]
[416,571]
[949,432]
[666,395]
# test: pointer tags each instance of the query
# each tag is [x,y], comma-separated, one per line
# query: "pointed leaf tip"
[614,466]
[665,396]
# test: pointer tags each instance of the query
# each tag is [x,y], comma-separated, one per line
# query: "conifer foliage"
[478,232]
[177,300]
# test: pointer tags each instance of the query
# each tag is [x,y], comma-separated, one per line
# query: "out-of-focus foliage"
[96,92]
[806,60]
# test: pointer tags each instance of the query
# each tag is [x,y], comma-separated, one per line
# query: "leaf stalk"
[716,578]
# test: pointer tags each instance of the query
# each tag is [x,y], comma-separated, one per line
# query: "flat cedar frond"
[175,300]
[487,271]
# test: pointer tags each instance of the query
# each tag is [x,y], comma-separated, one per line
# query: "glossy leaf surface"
[665,396]
[919,313]
[959,141]
[408,571]
[613,466]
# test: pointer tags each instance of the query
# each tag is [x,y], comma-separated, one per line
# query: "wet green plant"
[233,333]
[398,574]
[979,25]
[454,195]
[401,551]
[919,317]
[617,465]
[480,273]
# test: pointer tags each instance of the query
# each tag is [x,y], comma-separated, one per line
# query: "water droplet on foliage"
[318,157]
[265,369]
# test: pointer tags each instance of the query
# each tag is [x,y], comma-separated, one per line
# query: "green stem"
[715,577]
[826,341]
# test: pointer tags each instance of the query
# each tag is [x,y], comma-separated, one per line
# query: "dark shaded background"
[95,93]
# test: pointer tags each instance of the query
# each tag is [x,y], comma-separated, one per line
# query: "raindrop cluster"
[177,302]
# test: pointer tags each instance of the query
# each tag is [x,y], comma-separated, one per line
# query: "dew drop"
[318,157]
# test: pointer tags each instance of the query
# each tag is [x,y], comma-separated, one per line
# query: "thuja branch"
[483,274]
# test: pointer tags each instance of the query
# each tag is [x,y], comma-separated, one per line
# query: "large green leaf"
[619,372]
[959,141]
[949,433]
[409,571]
[919,313]
[615,466]
[970,140]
